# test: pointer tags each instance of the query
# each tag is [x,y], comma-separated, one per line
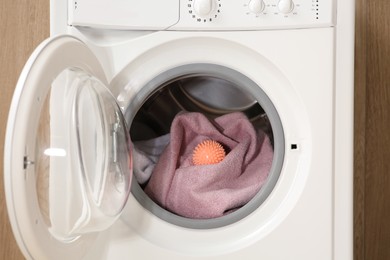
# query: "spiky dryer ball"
[208,152]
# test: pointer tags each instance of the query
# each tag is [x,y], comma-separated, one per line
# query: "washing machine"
[116,74]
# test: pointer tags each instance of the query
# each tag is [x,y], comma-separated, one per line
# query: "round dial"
[204,10]
[203,7]
[256,6]
[285,6]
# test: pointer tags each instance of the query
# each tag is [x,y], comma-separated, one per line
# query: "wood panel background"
[372,131]
[24,24]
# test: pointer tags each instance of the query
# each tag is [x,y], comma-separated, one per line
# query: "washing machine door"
[67,153]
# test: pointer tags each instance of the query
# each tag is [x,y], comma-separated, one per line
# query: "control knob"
[203,7]
[256,6]
[285,6]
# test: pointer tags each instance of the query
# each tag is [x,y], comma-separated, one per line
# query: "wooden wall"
[372,130]
[23,24]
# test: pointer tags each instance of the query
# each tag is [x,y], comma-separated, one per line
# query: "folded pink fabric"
[210,191]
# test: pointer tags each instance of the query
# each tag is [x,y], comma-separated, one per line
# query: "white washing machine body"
[298,55]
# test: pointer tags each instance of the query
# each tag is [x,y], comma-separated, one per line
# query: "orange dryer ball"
[208,152]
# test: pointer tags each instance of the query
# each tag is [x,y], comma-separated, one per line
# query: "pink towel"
[210,191]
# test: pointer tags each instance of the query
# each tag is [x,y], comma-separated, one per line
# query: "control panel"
[201,14]
[254,14]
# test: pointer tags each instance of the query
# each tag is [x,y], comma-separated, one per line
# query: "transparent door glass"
[83,156]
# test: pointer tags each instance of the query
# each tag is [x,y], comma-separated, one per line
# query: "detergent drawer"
[118,14]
